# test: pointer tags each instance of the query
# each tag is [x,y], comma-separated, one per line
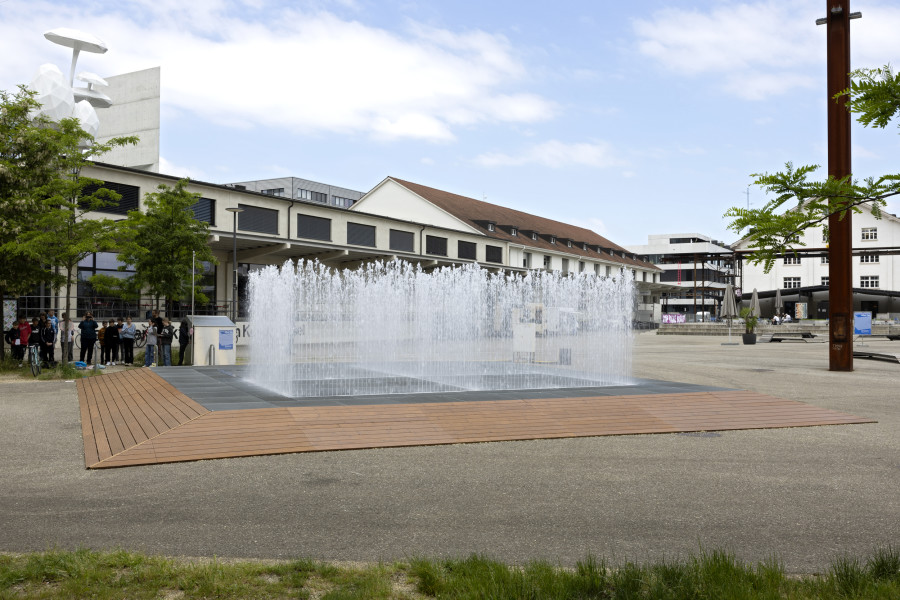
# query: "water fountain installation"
[392,328]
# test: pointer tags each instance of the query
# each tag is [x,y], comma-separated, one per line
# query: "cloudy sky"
[630,118]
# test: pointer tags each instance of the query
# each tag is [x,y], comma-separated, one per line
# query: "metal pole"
[193,277]
[234,275]
[840,231]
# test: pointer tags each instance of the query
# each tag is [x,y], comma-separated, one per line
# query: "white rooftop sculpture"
[60,100]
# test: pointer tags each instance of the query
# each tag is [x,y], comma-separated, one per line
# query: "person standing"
[112,343]
[67,337]
[165,343]
[88,327]
[184,338]
[104,349]
[47,341]
[127,334]
[24,334]
[151,344]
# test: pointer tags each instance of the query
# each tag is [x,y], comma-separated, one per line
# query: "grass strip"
[708,575]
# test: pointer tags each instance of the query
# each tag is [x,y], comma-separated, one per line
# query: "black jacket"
[166,334]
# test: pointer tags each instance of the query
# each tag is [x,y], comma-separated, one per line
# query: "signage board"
[862,323]
[226,339]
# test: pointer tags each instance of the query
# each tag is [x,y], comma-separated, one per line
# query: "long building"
[395,220]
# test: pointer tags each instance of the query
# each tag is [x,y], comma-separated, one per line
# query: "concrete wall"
[135,111]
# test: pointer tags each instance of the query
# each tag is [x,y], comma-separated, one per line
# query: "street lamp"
[234,276]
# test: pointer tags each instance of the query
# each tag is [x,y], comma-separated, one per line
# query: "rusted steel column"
[840,231]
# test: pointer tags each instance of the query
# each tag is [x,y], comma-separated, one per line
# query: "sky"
[628,118]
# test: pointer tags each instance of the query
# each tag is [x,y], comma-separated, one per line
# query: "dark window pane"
[466,250]
[360,235]
[402,240]
[254,218]
[493,254]
[314,228]
[128,201]
[435,245]
[205,210]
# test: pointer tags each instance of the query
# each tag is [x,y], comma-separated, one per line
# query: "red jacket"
[24,334]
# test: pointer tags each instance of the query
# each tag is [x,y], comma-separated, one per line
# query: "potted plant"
[750,321]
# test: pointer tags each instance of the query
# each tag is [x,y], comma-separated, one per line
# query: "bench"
[788,336]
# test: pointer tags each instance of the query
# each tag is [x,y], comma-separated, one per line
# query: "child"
[34,335]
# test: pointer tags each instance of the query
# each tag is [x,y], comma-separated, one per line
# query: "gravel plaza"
[803,494]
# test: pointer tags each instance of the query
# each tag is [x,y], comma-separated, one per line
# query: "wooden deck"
[136,418]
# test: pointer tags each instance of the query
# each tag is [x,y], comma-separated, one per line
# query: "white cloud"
[556,154]
[167,167]
[305,72]
[756,50]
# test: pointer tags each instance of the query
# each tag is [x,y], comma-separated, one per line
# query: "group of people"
[778,319]
[116,339]
[41,332]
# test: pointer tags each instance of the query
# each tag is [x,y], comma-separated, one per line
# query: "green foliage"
[750,320]
[875,95]
[160,242]
[708,575]
[800,203]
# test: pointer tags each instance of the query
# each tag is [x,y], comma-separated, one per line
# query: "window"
[493,254]
[870,233]
[565,265]
[490,226]
[868,281]
[868,258]
[435,245]
[101,263]
[546,262]
[825,236]
[552,239]
[534,235]
[792,259]
[514,232]
[466,250]
[825,260]
[361,235]
[402,240]
[584,247]
[791,282]
[273,192]
[319,197]
[581,266]
[569,243]
[313,228]
[343,202]
[608,270]
[597,269]
[825,280]
[204,211]
[526,261]
[128,201]
[261,220]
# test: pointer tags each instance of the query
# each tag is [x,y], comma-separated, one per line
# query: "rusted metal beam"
[840,300]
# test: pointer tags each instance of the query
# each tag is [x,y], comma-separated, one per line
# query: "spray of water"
[389,328]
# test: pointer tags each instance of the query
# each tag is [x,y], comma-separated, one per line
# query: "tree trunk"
[3,337]
[65,352]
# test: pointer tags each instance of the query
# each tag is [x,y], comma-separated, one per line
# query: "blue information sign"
[226,339]
[862,323]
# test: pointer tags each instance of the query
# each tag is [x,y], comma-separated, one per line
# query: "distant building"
[694,266]
[303,190]
[803,278]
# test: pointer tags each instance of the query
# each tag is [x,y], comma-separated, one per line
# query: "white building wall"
[135,111]
[391,199]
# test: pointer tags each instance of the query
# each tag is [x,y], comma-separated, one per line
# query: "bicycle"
[34,354]
[140,337]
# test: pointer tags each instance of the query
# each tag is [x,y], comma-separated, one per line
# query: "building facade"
[803,278]
[695,268]
[436,229]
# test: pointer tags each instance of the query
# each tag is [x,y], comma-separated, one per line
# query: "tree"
[43,198]
[27,153]
[162,241]
[800,203]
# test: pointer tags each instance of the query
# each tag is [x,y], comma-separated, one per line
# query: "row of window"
[865,281]
[358,234]
[868,233]
[863,258]
[204,209]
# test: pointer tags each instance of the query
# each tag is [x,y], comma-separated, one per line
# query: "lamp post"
[234,275]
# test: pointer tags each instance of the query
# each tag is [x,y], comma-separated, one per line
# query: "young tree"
[800,203]
[161,241]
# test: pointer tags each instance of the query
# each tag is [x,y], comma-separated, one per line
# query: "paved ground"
[805,495]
